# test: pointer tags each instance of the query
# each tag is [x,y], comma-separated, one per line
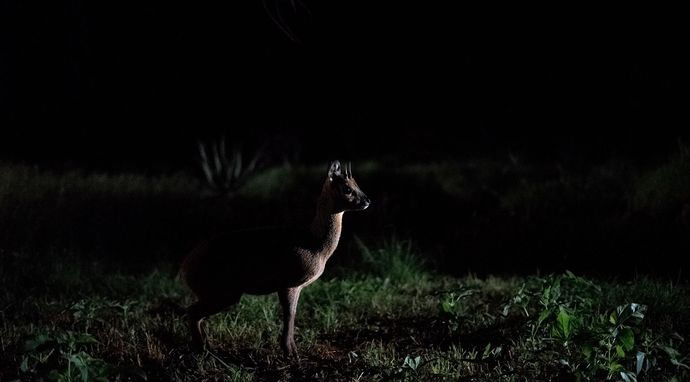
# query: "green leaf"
[467,292]
[78,360]
[680,364]
[448,303]
[543,316]
[487,351]
[638,310]
[615,367]
[546,294]
[627,338]
[628,376]
[24,365]
[587,351]
[619,351]
[85,338]
[34,343]
[672,353]
[564,324]
[630,311]
[640,357]
[412,363]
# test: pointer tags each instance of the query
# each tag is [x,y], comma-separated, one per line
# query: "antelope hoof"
[290,351]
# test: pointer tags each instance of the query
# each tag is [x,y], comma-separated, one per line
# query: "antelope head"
[343,190]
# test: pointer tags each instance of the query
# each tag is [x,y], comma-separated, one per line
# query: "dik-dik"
[264,261]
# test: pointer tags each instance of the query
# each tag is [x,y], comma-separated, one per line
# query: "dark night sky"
[103,81]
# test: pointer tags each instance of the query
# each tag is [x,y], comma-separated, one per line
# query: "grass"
[662,189]
[521,215]
[88,288]
[388,318]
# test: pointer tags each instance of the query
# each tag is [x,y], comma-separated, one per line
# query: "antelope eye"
[347,190]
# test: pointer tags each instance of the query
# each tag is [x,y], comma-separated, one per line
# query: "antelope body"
[220,270]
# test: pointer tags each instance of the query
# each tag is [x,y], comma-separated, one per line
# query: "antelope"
[263,261]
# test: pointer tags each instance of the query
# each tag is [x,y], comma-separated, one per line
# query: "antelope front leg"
[288,299]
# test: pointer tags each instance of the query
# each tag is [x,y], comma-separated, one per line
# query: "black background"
[134,84]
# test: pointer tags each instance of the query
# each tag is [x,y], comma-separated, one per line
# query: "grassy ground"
[523,216]
[88,288]
[388,318]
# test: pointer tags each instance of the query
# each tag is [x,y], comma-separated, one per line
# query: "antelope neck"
[326,226]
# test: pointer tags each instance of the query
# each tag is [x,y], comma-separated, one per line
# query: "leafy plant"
[564,317]
[451,305]
[90,311]
[224,169]
[63,356]
[395,260]
[666,187]
[412,363]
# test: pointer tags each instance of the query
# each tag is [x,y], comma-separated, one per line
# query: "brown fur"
[265,261]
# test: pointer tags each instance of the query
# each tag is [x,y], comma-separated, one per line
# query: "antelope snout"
[364,202]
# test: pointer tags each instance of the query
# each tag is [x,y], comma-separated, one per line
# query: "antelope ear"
[334,169]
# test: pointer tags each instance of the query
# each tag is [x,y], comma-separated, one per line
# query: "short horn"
[349,169]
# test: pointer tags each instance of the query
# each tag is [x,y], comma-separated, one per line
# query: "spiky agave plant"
[224,170]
